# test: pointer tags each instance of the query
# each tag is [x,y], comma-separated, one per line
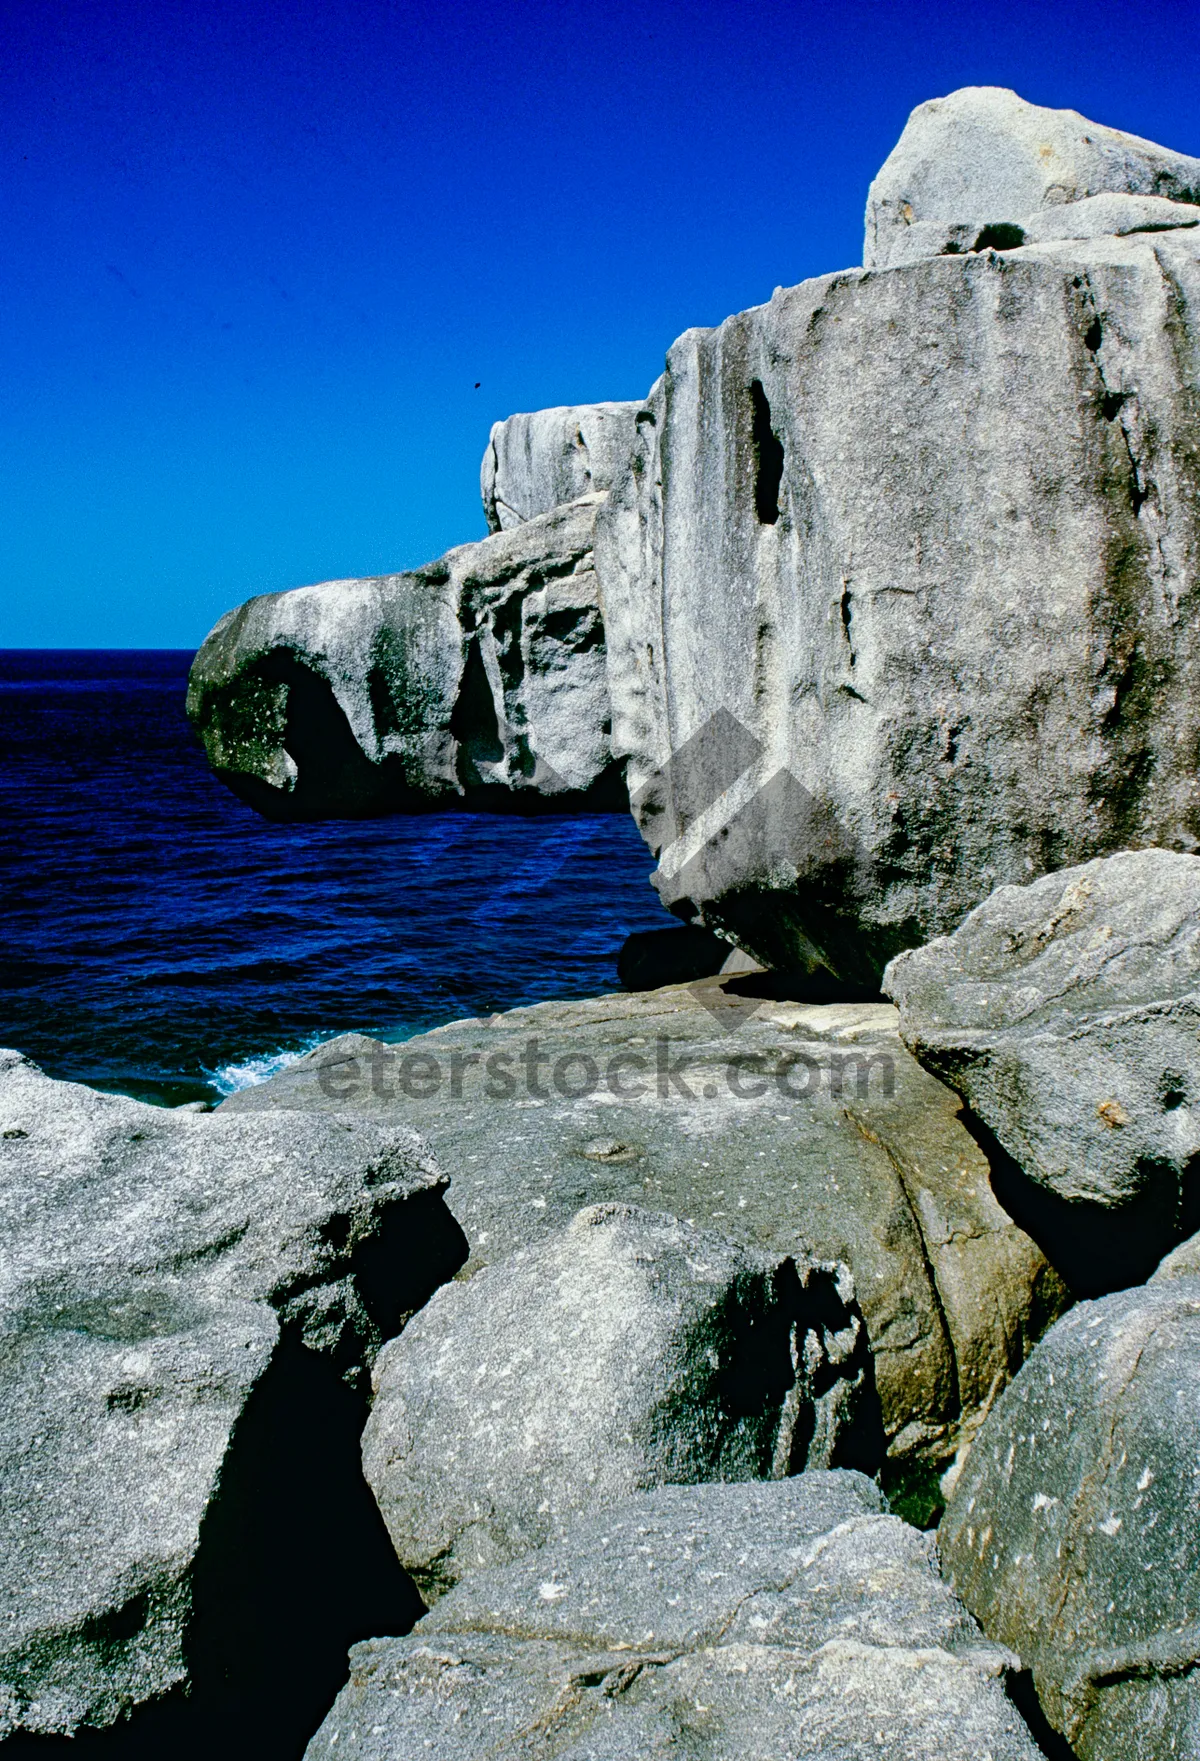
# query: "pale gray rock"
[629,1351]
[900,591]
[477,680]
[536,461]
[1072,1532]
[983,156]
[1113,216]
[790,1129]
[1066,1013]
[171,1286]
[727,1622]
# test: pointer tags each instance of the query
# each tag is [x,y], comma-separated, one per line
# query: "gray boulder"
[1072,1532]
[629,1351]
[791,1129]
[726,1622]
[1066,1015]
[478,680]
[188,1305]
[983,157]
[894,593]
[536,461]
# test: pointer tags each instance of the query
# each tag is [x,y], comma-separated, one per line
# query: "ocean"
[161,940]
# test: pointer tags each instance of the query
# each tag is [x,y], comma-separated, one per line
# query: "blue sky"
[256,256]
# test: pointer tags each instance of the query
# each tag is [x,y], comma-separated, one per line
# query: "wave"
[228,1079]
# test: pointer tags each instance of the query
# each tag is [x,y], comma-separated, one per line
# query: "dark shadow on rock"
[336,780]
[1094,1248]
[417,1246]
[798,985]
[1023,1695]
[652,957]
[295,1565]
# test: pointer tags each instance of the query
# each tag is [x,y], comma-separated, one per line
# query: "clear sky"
[255,257]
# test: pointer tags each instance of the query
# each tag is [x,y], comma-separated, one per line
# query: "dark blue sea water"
[158,937]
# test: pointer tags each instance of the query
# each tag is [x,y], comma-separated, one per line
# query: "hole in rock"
[473,721]
[768,457]
[294,1566]
[1023,1695]
[1094,1248]
[1093,336]
[914,1491]
[1002,237]
[1111,403]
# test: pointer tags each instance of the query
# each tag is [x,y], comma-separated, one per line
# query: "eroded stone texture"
[628,1351]
[1066,1013]
[1072,1532]
[900,593]
[983,157]
[536,461]
[788,1128]
[728,1622]
[172,1285]
[477,680]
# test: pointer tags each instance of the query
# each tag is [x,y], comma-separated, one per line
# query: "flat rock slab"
[791,1129]
[159,1271]
[1072,1532]
[795,1617]
[1066,1013]
[629,1351]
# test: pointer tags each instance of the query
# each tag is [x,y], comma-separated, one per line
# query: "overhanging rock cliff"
[892,593]
[476,681]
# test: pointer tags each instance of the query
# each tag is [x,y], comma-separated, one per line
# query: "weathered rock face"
[478,680]
[535,462]
[900,593]
[187,1307]
[730,1622]
[630,1351]
[984,157]
[1072,1533]
[1066,1014]
[791,1130]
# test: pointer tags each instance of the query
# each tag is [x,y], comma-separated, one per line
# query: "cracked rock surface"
[1066,1013]
[743,1621]
[631,1350]
[169,1280]
[535,462]
[790,1129]
[477,680]
[1071,1534]
[900,588]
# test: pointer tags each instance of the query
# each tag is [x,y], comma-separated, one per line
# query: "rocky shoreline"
[597,1374]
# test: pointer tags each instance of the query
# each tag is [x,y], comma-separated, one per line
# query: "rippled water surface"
[160,938]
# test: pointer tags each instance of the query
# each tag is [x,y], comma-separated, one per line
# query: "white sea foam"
[227,1079]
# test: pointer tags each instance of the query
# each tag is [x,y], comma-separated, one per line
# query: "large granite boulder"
[791,1129]
[1066,1013]
[983,158]
[188,1309]
[536,461]
[629,1351]
[898,588]
[1073,1534]
[725,1622]
[478,680]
